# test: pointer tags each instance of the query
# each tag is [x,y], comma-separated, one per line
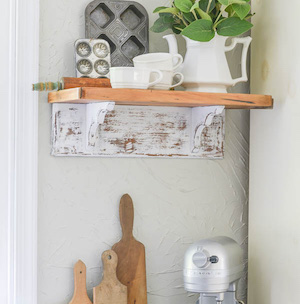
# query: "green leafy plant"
[200,20]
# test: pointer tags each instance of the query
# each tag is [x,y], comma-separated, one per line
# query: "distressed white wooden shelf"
[107,122]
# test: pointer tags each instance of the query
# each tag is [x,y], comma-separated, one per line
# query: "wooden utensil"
[80,294]
[71,82]
[110,290]
[131,270]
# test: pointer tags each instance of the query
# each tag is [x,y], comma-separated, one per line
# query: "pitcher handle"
[179,61]
[246,43]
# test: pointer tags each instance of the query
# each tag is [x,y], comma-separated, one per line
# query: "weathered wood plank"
[131,131]
[161,98]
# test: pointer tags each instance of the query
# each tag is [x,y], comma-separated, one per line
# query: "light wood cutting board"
[131,270]
[80,295]
[110,290]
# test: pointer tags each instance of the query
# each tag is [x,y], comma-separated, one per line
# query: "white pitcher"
[205,67]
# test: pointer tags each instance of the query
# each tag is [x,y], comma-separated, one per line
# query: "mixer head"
[213,267]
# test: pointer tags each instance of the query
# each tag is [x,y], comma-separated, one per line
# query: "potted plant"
[206,25]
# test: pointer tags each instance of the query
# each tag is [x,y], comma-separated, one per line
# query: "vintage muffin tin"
[92,58]
[123,24]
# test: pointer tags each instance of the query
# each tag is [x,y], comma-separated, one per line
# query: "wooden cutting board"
[131,270]
[110,290]
[80,295]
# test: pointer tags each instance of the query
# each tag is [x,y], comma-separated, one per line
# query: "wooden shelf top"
[135,97]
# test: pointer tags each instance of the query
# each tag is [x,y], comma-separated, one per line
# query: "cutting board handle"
[80,293]
[110,290]
[126,216]
[110,262]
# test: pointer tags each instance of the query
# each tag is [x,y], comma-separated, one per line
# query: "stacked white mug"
[166,63]
[134,78]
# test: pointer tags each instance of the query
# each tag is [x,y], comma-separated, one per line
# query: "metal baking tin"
[92,57]
[123,24]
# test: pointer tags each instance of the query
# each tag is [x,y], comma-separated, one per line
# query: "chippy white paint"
[205,67]
[177,201]
[202,118]
[80,130]
[94,117]
[274,239]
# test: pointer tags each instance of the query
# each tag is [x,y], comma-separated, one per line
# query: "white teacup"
[134,78]
[167,81]
[161,61]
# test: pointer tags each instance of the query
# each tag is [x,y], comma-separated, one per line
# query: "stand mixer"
[212,267]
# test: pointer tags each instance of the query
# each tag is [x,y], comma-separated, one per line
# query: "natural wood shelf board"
[135,97]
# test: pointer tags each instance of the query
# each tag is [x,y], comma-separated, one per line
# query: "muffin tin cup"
[92,58]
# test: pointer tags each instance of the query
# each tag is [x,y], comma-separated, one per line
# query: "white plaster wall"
[176,202]
[274,236]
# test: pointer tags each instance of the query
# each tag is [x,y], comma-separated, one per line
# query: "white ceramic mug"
[134,78]
[161,61]
[167,81]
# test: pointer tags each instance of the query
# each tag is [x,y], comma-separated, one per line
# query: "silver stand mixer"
[212,267]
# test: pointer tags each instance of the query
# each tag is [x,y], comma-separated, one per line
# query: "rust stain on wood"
[70,132]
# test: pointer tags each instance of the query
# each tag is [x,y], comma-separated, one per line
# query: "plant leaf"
[203,4]
[233,26]
[162,24]
[165,14]
[201,13]
[159,9]
[229,10]
[196,5]
[228,2]
[189,17]
[241,10]
[249,16]
[171,10]
[200,30]
[177,29]
[184,5]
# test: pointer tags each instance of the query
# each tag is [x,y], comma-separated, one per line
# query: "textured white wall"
[274,256]
[176,202]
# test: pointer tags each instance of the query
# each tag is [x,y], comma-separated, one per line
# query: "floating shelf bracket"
[202,117]
[95,115]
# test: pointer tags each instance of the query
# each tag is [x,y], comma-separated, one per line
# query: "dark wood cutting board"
[131,269]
